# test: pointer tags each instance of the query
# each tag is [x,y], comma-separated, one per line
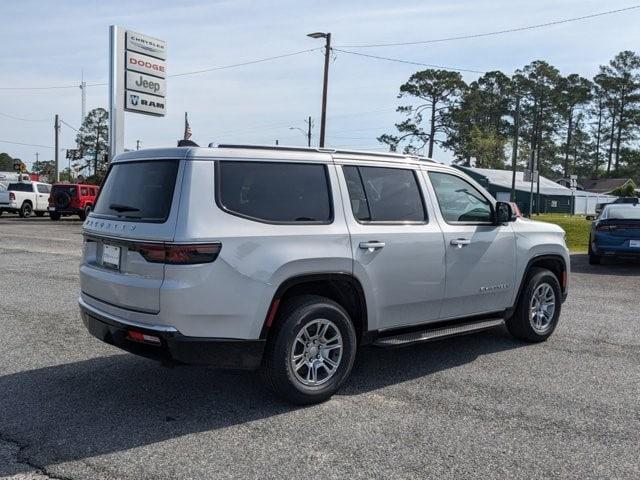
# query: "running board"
[437,333]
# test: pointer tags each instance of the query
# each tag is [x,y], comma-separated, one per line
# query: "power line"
[409,62]
[251,62]
[72,128]
[26,144]
[183,74]
[25,119]
[497,32]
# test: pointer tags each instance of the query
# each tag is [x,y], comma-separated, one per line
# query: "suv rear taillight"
[12,196]
[606,228]
[178,254]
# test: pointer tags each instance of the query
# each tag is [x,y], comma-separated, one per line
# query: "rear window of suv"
[275,192]
[138,191]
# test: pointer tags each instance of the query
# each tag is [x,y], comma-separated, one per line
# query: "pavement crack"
[21,458]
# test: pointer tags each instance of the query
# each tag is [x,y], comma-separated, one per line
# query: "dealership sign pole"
[137,80]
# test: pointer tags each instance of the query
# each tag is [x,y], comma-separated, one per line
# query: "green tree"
[93,140]
[435,92]
[539,83]
[476,125]
[574,92]
[622,81]
[6,162]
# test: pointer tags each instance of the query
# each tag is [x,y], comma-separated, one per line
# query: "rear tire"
[54,215]
[538,309]
[25,210]
[302,362]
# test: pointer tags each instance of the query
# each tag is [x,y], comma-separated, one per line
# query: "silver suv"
[289,259]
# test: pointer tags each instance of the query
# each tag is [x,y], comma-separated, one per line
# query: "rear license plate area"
[111,256]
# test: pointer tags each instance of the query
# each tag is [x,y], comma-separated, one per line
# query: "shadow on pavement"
[111,404]
[609,266]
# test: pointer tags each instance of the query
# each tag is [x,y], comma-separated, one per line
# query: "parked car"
[72,199]
[25,198]
[615,233]
[625,200]
[289,259]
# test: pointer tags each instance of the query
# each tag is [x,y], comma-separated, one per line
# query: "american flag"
[187,127]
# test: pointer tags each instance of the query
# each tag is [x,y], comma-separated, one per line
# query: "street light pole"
[327,54]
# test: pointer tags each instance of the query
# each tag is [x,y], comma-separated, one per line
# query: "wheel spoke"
[317,347]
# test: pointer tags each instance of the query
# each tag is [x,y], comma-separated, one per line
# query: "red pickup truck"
[72,199]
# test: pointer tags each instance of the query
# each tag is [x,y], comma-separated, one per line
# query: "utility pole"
[95,160]
[137,144]
[327,55]
[309,132]
[37,157]
[56,129]
[514,153]
[83,93]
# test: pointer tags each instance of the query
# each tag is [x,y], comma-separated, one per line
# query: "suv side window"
[44,188]
[382,194]
[84,191]
[275,192]
[460,202]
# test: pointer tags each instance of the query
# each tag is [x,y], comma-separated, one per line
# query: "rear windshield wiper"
[123,208]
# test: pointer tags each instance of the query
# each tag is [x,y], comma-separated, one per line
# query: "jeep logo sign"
[143,103]
[146,83]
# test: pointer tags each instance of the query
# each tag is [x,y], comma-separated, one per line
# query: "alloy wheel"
[316,352]
[542,308]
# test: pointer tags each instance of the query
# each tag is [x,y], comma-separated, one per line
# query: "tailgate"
[135,211]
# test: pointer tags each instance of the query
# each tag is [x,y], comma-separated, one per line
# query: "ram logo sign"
[143,103]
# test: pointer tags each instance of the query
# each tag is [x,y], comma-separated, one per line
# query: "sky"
[52,43]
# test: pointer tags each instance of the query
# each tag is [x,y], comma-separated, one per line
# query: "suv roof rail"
[324,150]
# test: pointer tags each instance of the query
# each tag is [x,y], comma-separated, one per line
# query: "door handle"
[371,246]
[460,242]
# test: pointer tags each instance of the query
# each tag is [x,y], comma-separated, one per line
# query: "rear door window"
[44,188]
[276,192]
[381,194]
[138,191]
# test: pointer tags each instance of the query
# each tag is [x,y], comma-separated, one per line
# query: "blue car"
[616,232]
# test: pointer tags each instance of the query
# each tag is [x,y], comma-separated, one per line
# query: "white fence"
[586,204]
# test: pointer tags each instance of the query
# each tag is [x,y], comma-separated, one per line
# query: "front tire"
[311,350]
[538,308]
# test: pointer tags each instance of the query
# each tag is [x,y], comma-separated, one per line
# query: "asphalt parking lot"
[482,406]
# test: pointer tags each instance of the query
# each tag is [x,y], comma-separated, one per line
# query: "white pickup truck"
[25,198]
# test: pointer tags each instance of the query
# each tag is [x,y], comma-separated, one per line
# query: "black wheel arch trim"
[527,269]
[296,280]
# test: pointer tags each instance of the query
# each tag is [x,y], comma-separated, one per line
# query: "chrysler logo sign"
[137,42]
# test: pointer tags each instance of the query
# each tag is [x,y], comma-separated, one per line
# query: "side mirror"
[590,217]
[504,213]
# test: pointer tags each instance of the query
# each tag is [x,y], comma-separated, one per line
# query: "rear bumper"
[172,346]
[613,250]
[65,211]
